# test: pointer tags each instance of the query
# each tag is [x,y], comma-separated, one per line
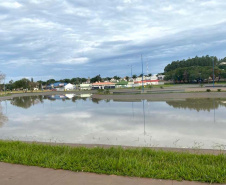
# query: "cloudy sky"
[68,38]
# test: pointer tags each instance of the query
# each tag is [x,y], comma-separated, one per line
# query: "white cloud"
[108,33]
[11,4]
[81,60]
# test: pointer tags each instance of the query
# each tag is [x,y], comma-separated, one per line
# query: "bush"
[208,90]
[161,87]
[150,86]
[107,91]
[219,90]
[100,91]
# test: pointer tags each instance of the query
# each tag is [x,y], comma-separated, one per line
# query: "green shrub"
[208,90]
[107,91]
[100,91]
[149,86]
[161,87]
[219,90]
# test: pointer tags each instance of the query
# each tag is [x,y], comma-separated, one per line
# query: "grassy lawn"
[126,162]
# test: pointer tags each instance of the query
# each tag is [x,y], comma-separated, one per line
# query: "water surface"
[198,123]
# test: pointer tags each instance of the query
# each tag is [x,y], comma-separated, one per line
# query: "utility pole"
[142,74]
[213,72]
[131,66]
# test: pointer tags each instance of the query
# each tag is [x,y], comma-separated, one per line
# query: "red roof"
[103,83]
[145,81]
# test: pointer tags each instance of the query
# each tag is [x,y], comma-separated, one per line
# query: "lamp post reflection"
[144,117]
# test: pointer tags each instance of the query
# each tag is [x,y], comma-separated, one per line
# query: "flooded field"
[190,123]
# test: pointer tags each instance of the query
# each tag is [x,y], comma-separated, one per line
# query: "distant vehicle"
[54,90]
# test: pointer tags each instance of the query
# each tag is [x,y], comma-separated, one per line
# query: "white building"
[85,86]
[69,87]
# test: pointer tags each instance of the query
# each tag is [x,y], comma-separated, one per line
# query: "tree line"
[25,83]
[196,69]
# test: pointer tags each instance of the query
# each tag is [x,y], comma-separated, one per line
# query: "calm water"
[197,123]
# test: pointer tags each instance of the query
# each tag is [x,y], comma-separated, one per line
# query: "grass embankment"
[127,162]
[2,95]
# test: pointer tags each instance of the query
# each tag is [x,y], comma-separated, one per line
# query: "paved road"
[12,174]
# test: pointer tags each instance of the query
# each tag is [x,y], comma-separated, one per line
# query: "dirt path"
[13,174]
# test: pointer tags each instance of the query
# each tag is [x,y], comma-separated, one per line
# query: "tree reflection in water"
[3,118]
[27,101]
[198,104]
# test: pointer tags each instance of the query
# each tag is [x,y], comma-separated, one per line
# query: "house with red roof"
[103,85]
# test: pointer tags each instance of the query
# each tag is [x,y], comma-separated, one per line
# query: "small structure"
[146,82]
[161,77]
[69,87]
[103,85]
[121,84]
[130,84]
[56,85]
[85,86]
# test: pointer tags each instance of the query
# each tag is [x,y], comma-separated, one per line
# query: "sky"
[61,39]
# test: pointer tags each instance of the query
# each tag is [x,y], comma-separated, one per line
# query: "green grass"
[2,95]
[126,162]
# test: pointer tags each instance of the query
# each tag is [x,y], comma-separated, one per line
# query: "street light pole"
[142,74]
[131,73]
[213,72]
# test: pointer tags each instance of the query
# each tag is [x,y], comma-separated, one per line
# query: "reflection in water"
[3,118]
[198,104]
[95,100]
[76,119]
[144,117]
[26,101]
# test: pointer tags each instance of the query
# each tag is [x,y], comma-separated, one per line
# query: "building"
[146,82]
[121,84]
[56,85]
[85,87]
[103,85]
[69,87]
[161,77]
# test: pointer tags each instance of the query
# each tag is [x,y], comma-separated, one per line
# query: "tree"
[193,69]
[96,79]
[127,78]
[50,81]
[116,77]
[22,84]
[134,76]
[10,85]
[2,78]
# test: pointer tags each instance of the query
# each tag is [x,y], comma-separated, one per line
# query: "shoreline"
[161,96]
[199,151]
